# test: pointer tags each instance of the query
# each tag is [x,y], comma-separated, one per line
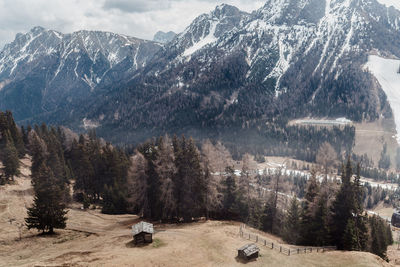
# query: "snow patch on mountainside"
[386,72]
[210,38]
[388,3]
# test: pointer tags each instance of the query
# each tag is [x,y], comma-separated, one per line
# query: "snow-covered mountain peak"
[70,65]
[207,28]
[390,3]
[225,10]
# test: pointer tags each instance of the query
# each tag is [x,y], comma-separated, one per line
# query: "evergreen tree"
[15,135]
[350,237]
[11,161]
[379,237]
[150,152]
[114,200]
[269,213]
[230,207]
[384,161]
[48,211]
[254,218]
[307,227]
[292,223]
[320,223]
[360,219]
[83,169]
[343,207]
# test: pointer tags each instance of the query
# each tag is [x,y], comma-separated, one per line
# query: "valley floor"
[95,239]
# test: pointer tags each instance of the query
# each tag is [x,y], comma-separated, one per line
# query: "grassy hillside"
[95,239]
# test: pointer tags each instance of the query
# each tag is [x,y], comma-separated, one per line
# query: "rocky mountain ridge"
[52,68]
[235,70]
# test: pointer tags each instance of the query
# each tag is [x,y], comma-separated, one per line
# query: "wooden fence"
[278,247]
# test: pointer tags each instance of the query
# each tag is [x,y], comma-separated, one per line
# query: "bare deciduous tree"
[249,168]
[138,183]
[166,170]
[214,197]
[218,156]
[326,157]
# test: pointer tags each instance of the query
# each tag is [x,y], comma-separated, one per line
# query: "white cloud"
[139,18]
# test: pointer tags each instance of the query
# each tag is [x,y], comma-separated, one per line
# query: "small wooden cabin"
[396,219]
[248,252]
[142,233]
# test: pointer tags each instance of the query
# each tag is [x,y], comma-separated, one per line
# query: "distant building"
[142,233]
[396,219]
[248,252]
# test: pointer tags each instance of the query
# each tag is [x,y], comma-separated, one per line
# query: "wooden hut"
[248,252]
[396,219]
[142,233]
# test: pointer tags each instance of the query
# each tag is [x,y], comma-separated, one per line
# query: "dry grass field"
[95,239]
[370,138]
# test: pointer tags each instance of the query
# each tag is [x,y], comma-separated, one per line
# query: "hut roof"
[249,249]
[142,227]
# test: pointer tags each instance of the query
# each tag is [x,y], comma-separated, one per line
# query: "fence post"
[265,242]
[298,251]
[272,245]
[256,238]
[280,249]
[289,253]
[311,250]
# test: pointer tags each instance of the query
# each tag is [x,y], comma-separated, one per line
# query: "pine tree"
[48,211]
[379,237]
[307,217]
[114,201]
[320,223]
[11,161]
[292,223]
[343,207]
[269,212]
[83,169]
[360,220]
[384,161]
[230,207]
[350,237]
[15,134]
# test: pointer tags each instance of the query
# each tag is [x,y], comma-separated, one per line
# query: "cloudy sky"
[139,18]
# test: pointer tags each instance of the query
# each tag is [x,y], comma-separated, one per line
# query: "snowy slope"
[394,3]
[386,72]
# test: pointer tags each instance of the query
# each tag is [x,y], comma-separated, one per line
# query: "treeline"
[340,221]
[100,173]
[295,141]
